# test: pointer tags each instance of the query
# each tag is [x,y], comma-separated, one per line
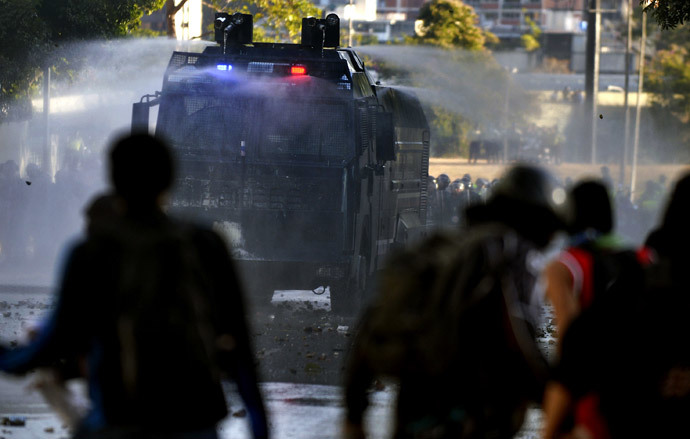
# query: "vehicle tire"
[347,295]
[343,298]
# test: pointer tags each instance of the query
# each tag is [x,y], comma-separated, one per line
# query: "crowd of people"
[455,317]
[635,217]
[146,301]
[533,144]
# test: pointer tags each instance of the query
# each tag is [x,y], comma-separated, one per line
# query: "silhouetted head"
[589,208]
[672,239]
[527,199]
[677,215]
[442,181]
[141,169]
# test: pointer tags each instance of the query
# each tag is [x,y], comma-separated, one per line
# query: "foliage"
[459,82]
[668,13]
[34,33]
[679,36]
[449,24]
[530,40]
[277,21]
[448,131]
[459,89]
[669,79]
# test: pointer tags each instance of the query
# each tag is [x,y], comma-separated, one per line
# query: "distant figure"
[475,151]
[431,187]
[155,308]
[482,185]
[442,207]
[475,145]
[454,322]
[492,149]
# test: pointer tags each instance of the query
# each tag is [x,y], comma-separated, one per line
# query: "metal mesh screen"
[318,130]
[208,125]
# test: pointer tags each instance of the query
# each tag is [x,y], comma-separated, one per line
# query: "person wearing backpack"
[155,307]
[584,270]
[455,317]
[630,345]
[571,282]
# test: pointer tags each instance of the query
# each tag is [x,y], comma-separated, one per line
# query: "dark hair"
[141,168]
[677,212]
[590,208]
[522,199]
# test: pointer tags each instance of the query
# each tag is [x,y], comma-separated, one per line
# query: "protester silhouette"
[592,260]
[155,308]
[643,378]
[455,318]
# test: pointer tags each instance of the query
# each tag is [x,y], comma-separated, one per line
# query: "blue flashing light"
[224,67]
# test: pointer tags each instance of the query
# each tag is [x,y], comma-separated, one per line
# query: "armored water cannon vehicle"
[314,171]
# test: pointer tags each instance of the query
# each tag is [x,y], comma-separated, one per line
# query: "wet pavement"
[300,349]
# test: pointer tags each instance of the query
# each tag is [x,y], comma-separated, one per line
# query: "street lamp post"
[506,110]
[351,31]
[595,77]
[638,105]
[46,119]
[626,135]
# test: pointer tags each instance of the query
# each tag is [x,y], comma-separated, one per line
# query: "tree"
[668,79]
[34,33]
[668,13]
[277,21]
[171,9]
[530,40]
[458,81]
[449,24]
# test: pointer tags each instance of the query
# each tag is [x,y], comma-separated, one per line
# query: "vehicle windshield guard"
[257,128]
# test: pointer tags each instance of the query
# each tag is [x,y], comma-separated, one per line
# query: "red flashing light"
[298,70]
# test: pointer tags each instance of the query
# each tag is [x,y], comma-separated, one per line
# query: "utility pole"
[351,31]
[46,120]
[626,135]
[589,66]
[638,106]
[595,77]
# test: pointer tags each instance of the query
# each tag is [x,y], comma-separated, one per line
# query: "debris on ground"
[13,421]
[240,414]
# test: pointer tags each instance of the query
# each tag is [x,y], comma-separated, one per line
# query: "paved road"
[300,348]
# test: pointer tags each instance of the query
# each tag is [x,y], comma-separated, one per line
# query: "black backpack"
[452,301]
[165,326]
